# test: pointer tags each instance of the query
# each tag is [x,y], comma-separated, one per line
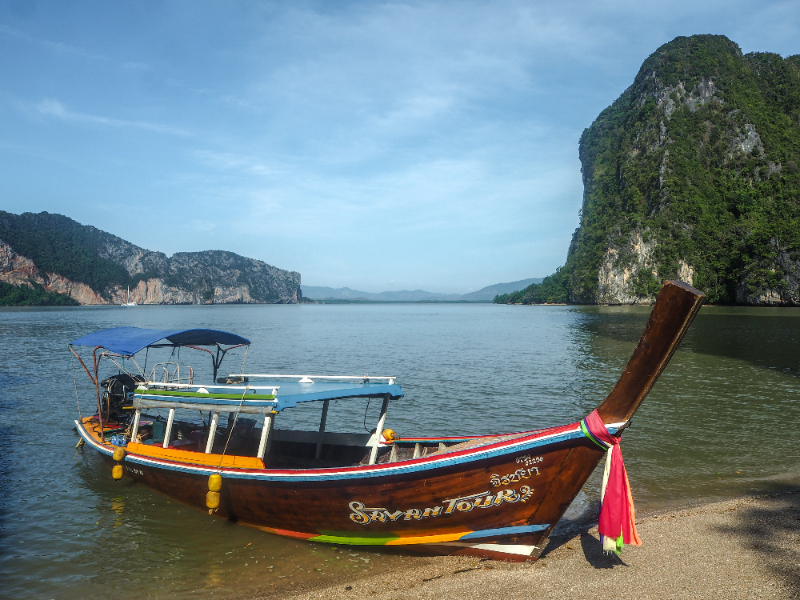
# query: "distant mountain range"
[49,259]
[486,294]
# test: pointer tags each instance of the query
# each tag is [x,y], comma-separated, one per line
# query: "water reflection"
[720,420]
[765,337]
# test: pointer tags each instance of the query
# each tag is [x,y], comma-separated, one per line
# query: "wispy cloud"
[56,47]
[55,109]
[234,162]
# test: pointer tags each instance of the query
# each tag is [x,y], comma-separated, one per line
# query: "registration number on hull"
[364,515]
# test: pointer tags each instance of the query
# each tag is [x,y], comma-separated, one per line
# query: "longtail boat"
[496,496]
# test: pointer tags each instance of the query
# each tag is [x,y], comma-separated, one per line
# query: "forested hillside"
[21,295]
[57,244]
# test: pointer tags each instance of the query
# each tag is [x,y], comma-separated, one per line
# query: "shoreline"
[747,547]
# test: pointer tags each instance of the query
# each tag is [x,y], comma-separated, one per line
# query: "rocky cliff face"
[692,174]
[621,266]
[208,277]
[213,276]
[19,270]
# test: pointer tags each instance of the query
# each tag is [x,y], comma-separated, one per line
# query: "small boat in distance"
[496,496]
[129,303]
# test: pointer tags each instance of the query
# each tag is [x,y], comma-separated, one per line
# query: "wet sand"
[744,548]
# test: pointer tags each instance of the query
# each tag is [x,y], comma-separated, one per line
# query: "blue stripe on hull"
[484,533]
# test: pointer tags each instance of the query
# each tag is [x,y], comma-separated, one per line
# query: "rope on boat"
[215,480]
[230,427]
[365,414]
[244,360]
[617,523]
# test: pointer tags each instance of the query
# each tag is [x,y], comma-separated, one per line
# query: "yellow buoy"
[119,454]
[116,472]
[389,435]
[212,500]
[215,483]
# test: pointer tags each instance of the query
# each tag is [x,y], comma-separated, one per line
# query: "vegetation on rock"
[552,290]
[20,295]
[57,244]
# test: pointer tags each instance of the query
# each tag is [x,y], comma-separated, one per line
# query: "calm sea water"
[722,421]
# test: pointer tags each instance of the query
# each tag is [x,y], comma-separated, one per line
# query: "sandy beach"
[743,548]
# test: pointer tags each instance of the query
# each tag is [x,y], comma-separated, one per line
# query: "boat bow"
[676,306]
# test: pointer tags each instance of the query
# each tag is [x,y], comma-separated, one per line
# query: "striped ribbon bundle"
[617,524]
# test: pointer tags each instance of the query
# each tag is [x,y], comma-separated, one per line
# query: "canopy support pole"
[373,456]
[212,432]
[71,349]
[322,423]
[217,361]
[135,427]
[265,431]
[168,431]
[97,390]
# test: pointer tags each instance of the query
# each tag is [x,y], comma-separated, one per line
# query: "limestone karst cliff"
[692,173]
[94,267]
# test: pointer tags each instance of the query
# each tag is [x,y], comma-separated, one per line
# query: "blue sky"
[375,145]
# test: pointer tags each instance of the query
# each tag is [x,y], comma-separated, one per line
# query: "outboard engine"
[118,395]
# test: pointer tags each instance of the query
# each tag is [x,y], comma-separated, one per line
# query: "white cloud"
[233,162]
[54,108]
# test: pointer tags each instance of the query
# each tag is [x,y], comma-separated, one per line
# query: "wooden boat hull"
[501,499]
[498,496]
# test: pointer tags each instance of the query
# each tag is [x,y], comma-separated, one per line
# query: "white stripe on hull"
[515,549]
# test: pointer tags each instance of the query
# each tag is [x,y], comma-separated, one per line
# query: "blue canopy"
[127,341]
[292,393]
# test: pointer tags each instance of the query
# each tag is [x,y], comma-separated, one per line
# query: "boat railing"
[253,389]
[311,378]
[161,373]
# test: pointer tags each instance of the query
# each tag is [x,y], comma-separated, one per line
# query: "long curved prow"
[675,308]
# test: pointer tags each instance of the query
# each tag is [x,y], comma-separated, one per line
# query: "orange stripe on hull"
[195,458]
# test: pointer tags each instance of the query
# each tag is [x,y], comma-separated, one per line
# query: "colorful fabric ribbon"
[617,523]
